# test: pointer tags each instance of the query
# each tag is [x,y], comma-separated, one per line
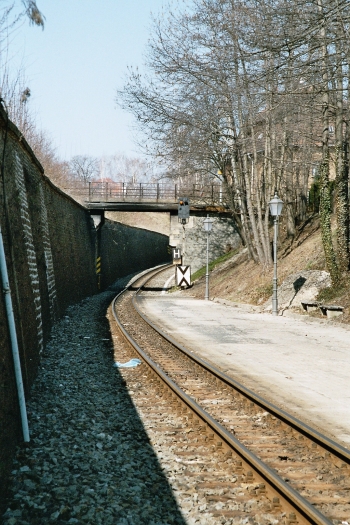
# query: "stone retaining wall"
[125,250]
[223,238]
[51,246]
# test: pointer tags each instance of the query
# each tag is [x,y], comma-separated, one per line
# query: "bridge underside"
[161,207]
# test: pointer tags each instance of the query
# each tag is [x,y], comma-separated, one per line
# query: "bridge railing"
[150,192]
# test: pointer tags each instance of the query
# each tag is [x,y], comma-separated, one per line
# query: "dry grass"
[241,280]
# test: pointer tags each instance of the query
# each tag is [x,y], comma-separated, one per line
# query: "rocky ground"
[89,460]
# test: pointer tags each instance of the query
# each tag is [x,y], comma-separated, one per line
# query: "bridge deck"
[143,206]
[159,197]
[160,192]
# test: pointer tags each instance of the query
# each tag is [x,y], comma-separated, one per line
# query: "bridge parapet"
[167,193]
[212,194]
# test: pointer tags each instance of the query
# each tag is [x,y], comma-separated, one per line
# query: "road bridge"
[104,199]
[152,197]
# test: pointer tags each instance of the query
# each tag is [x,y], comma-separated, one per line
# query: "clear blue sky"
[74,66]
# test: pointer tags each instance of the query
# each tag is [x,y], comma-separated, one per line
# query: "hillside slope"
[243,281]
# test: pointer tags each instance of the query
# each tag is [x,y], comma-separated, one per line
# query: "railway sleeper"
[246,474]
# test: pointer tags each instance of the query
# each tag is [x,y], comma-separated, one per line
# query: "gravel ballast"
[89,460]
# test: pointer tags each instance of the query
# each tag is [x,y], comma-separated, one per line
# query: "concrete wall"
[152,221]
[223,238]
[126,250]
[51,246]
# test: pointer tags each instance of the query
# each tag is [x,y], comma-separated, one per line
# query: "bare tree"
[123,168]
[14,92]
[253,89]
[84,167]
[33,13]
[57,170]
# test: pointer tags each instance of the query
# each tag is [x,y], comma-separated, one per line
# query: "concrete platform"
[298,364]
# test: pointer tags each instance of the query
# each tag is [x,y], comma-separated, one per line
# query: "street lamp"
[219,174]
[276,206]
[207,225]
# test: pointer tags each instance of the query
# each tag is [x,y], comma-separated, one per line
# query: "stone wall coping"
[331,307]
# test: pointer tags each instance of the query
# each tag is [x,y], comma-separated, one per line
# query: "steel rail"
[328,444]
[300,504]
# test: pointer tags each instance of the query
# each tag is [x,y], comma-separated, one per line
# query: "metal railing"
[153,192]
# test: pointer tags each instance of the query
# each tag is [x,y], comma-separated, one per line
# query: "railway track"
[241,456]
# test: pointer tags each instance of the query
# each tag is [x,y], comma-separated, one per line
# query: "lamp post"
[207,225]
[276,206]
[219,174]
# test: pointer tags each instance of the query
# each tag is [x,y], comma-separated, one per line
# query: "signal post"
[182,272]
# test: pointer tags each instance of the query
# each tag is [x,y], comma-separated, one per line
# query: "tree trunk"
[325,196]
[341,181]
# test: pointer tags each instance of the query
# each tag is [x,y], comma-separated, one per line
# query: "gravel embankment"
[89,460]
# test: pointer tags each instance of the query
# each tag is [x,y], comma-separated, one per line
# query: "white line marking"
[165,287]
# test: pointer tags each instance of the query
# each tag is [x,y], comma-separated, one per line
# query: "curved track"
[293,472]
